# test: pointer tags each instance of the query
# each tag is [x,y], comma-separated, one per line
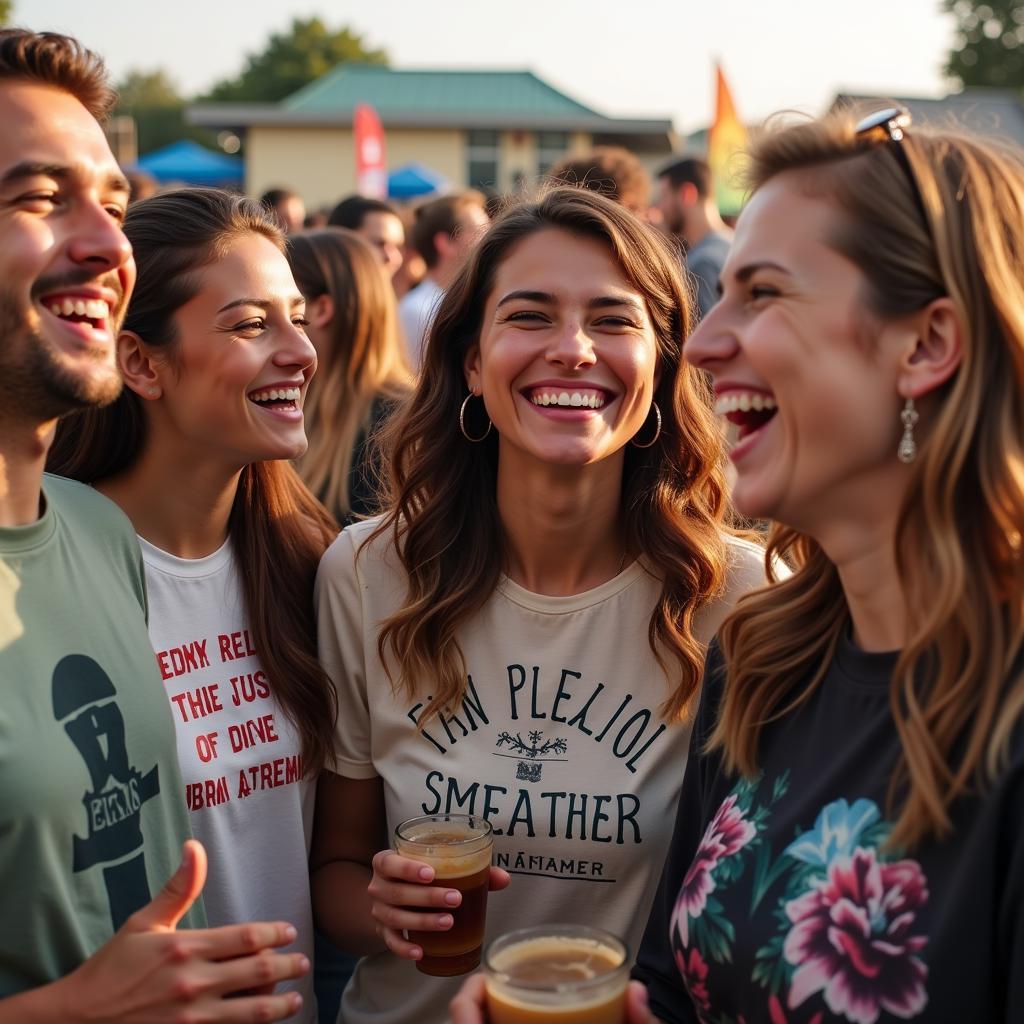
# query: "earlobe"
[934,355]
[136,366]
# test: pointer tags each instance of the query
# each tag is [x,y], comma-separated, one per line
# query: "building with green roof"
[494,130]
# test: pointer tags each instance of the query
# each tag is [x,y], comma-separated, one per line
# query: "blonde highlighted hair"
[443,516]
[957,690]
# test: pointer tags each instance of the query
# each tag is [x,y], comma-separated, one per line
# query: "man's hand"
[148,973]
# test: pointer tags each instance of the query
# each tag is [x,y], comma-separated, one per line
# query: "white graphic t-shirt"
[558,742]
[240,757]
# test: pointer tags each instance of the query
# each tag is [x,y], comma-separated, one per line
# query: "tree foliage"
[146,90]
[292,59]
[5,11]
[153,99]
[989,45]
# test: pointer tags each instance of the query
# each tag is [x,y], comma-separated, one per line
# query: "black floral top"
[781,902]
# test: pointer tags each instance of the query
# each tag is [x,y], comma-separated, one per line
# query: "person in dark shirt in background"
[849,844]
[686,199]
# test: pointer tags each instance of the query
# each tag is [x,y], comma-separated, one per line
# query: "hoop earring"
[907,450]
[657,433]
[462,421]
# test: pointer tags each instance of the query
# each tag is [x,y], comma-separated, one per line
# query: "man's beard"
[674,222]
[33,379]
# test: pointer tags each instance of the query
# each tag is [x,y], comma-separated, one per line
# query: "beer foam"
[556,959]
[439,847]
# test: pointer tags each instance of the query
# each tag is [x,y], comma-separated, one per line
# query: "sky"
[645,58]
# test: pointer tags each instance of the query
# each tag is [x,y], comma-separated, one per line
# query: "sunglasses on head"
[890,125]
[892,122]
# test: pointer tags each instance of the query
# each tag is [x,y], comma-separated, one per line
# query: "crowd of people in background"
[305,516]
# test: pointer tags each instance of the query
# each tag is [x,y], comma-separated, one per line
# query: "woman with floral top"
[850,840]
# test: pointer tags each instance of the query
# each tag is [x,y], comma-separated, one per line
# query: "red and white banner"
[371,175]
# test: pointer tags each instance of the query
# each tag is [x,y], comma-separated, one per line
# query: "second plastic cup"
[558,974]
[458,847]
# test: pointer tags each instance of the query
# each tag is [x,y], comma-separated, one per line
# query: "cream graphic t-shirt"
[558,743]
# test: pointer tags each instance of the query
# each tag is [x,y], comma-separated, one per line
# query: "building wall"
[319,162]
[517,160]
[580,142]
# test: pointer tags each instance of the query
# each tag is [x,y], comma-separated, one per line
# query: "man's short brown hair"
[438,215]
[611,170]
[49,58]
[691,171]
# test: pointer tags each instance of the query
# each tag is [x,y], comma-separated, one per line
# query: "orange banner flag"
[727,143]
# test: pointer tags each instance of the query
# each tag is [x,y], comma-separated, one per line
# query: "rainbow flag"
[727,143]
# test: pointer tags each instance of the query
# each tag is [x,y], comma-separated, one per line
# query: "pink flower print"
[727,834]
[694,970]
[731,828]
[778,1016]
[851,939]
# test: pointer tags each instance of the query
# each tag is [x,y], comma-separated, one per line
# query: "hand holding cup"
[430,893]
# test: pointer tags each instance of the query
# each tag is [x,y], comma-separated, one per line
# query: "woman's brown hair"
[364,361]
[957,690]
[443,514]
[278,529]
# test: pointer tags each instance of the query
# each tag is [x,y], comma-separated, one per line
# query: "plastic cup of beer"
[458,847]
[558,974]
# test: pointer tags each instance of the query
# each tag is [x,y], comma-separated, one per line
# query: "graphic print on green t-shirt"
[83,700]
[89,779]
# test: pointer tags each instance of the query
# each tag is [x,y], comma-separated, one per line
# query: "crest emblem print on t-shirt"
[530,754]
[83,699]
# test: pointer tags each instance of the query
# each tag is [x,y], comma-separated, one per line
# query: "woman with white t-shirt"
[521,636]
[216,363]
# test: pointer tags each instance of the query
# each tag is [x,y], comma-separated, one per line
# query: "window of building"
[551,147]
[482,159]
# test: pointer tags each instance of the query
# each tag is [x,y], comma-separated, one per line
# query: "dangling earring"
[907,450]
[657,432]
[462,420]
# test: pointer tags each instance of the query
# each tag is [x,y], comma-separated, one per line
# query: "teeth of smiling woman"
[742,401]
[276,394]
[578,399]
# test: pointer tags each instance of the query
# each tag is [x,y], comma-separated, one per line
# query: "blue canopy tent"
[413,180]
[188,162]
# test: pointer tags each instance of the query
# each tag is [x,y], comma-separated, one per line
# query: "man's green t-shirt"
[91,813]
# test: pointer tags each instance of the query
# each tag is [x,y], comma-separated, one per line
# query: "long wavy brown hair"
[278,530]
[443,516]
[364,361]
[957,690]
